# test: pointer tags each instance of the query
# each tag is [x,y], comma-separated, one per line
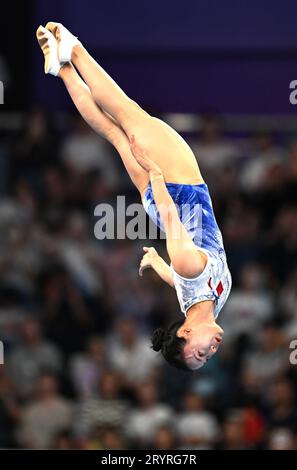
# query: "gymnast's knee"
[130,114]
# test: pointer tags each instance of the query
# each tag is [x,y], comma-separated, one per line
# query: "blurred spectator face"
[54,183]
[112,439]
[271,338]
[293,162]
[24,194]
[146,394]
[63,441]
[6,385]
[286,222]
[281,439]
[127,331]
[281,393]
[47,387]
[109,385]
[37,124]
[263,141]
[252,278]
[193,402]
[164,439]
[77,227]
[242,224]
[96,349]
[233,431]
[31,332]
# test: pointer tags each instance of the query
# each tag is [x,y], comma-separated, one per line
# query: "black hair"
[170,345]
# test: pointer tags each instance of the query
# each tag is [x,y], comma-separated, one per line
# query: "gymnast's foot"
[66,41]
[49,48]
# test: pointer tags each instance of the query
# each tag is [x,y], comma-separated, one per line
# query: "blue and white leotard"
[196,213]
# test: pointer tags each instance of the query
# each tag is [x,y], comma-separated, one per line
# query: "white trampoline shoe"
[49,47]
[66,41]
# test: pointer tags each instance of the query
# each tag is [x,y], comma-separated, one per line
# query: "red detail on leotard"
[219,288]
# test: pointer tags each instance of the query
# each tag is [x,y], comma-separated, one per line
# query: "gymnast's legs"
[102,123]
[165,146]
[110,112]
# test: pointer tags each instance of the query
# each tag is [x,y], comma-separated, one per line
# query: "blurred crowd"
[76,319]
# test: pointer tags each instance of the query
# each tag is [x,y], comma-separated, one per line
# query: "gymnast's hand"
[148,259]
[142,158]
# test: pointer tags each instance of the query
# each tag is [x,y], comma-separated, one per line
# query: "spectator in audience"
[233,437]
[9,410]
[44,416]
[86,368]
[281,409]
[67,317]
[290,186]
[164,439]
[126,347]
[281,439]
[282,245]
[147,416]
[109,409]
[267,360]
[197,428]
[288,305]
[35,147]
[106,438]
[212,150]
[82,141]
[262,159]
[31,357]
[249,305]
[80,255]
[63,440]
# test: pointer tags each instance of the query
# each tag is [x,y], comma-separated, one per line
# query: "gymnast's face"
[202,342]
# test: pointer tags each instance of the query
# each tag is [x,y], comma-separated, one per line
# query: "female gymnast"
[174,194]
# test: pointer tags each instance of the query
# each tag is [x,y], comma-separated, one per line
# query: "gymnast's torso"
[195,210]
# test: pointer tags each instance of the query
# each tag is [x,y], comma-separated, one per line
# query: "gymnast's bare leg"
[102,124]
[164,145]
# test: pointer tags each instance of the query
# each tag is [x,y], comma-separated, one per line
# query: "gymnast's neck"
[201,312]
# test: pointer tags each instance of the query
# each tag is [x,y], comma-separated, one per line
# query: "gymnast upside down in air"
[165,171]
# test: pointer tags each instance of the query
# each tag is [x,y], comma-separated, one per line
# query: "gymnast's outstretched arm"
[153,260]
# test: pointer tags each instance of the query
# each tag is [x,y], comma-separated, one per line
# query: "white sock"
[49,48]
[66,41]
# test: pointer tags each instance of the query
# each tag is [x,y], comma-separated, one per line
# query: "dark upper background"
[230,57]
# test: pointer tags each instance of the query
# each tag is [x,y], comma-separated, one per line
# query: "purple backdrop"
[229,56]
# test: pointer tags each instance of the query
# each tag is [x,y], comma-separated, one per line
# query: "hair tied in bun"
[158,339]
